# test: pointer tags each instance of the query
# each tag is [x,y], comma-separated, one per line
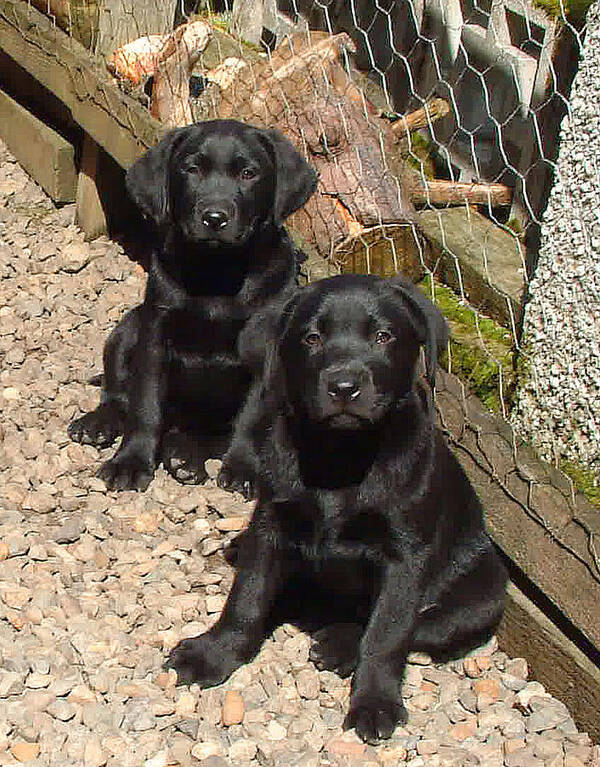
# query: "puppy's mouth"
[346,420]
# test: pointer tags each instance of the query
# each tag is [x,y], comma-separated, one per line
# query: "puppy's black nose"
[215,219]
[343,389]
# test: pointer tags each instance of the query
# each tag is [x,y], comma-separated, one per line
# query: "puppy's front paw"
[183,458]
[375,717]
[203,660]
[101,427]
[335,648]
[127,472]
[237,475]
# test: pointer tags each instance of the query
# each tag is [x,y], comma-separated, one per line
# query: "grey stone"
[70,531]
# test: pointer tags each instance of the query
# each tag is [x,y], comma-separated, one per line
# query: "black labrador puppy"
[216,195]
[364,516]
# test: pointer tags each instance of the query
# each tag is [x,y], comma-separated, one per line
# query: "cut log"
[383,250]
[442,192]
[136,59]
[121,21]
[171,86]
[420,118]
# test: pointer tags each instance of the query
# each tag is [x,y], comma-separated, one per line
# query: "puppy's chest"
[329,527]
[206,329]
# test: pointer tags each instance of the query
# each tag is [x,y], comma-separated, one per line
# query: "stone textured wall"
[558,405]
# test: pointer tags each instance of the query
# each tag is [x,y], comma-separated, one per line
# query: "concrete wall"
[558,406]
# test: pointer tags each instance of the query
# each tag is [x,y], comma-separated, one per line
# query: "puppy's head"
[348,348]
[218,182]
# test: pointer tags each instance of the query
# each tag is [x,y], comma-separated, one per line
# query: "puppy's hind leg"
[103,425]
[467,615]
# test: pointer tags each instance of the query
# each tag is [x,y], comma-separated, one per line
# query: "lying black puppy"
[217,194]
[363,514]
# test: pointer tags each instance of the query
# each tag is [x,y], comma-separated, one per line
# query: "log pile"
[364,204]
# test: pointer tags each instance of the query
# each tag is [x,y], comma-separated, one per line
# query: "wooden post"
[90,215]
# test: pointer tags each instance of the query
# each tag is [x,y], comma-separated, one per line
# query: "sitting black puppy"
[216,194]
[363,514]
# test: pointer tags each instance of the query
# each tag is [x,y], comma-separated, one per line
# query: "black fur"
[215,194]
[364,516]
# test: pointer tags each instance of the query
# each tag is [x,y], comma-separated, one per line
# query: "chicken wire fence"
[434,127]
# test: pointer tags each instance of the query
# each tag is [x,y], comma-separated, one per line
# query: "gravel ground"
[96,587]
[558,403]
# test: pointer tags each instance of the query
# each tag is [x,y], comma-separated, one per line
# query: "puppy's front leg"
[238,634]
[240,465]
[132,467]
[376,702]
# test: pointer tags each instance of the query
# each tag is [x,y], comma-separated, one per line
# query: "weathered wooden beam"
[553,659]
[532,511]
[115,121]
[45,155]
[473,255]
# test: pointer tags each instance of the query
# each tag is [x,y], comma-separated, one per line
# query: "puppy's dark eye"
[383,337]
[247,173]
[191,169]
[313,339]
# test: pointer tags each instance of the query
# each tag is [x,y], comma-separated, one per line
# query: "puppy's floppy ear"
[273,380]
[428,321]
[147,180]
[296,180]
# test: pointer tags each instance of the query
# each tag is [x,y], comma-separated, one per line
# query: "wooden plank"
[45,155]
[553,659]
[116,122]
[532,513]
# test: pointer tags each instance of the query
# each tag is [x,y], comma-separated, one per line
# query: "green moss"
[218,20]
[572,10]
[584,479]
[454,309]
[515,225]
[421,155]
[481,351]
